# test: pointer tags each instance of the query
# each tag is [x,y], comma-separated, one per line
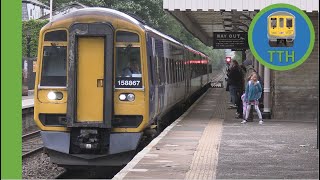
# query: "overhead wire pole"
[51,10]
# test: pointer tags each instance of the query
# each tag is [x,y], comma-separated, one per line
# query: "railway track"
[31,144]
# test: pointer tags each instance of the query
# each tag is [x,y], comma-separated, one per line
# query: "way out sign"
[230,40]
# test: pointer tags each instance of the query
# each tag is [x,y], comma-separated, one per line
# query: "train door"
[154,64]
[90,79]
[151,77]
[90,75]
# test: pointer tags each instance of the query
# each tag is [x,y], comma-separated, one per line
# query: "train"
[281,29]
[104,78]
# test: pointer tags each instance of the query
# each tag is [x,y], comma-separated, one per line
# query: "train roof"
[279,13]
[100,12]
[111,12]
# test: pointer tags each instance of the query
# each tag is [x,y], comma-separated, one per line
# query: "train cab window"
[128,62]
[59,35]
[124,36]
[289,22]
[54,71]
[273,22]
[281,22]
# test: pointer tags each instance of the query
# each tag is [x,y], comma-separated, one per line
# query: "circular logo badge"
[281,36]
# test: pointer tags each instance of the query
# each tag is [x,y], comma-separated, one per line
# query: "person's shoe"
[239,116]
[243,121]
[232,106]
[260,122]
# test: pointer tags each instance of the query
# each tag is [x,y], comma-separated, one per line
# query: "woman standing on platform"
[252,95]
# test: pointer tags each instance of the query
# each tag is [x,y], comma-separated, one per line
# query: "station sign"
[230,40]
[238,49]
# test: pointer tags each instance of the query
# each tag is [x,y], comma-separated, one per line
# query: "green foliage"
[30,30]
[238,57]
[56,4]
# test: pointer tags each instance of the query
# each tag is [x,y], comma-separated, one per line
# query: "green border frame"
[311,44]
[11,83]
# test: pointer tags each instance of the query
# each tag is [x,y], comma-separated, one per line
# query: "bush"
[31,29]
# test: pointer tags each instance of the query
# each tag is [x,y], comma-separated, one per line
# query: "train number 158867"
[128,82]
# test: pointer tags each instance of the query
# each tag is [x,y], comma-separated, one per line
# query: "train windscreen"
[273,22]
[289,22]
[54,70]
[128,62]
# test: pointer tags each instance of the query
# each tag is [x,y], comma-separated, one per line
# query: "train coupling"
[88,139]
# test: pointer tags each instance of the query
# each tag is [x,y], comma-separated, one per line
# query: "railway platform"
[27,101]
[207,142]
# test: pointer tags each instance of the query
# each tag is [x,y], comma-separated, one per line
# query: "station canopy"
[203,17]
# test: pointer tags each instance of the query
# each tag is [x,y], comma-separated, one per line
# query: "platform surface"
[207,142]
[27,102]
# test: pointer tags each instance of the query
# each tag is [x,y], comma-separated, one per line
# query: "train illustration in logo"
[281,29]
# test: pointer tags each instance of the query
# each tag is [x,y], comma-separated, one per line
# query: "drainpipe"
[260,70]
[255,65]
[266,95]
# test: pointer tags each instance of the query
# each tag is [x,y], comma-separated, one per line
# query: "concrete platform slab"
[27,102]
[207,142]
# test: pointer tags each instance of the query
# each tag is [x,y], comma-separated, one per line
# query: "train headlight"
[130,97]
[126,97]
[122,97]
[55,95]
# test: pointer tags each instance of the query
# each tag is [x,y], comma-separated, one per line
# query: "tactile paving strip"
[204,162]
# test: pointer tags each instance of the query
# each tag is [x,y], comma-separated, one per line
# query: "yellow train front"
[102,79]
[281,29]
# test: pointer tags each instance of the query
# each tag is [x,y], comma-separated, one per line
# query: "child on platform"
[252,95]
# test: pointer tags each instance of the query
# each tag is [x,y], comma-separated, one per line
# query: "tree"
[238,56]
[30,36]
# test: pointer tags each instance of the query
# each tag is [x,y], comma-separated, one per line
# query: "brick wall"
[296,92]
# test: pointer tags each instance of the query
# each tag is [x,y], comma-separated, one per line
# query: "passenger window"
[273,22]
[159,70]
[124,36]
[289,22]
[281,22]
[163,76]
[172,71]
[151,70]
[128,62]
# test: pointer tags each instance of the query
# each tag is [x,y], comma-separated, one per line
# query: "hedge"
[31,29]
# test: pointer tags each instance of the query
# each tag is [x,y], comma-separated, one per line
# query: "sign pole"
[51,10]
